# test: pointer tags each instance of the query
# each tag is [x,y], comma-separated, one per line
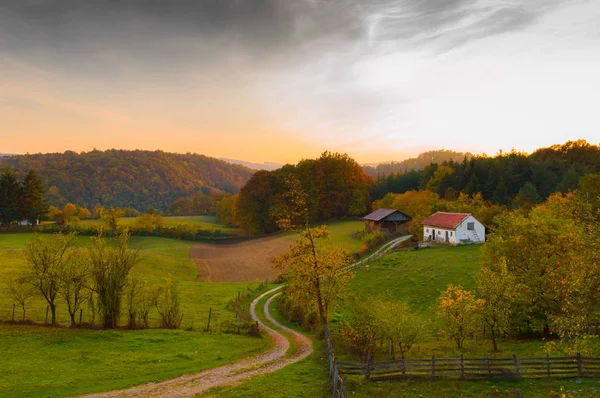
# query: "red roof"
[445,220]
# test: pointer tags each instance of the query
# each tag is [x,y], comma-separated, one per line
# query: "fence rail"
[476,368]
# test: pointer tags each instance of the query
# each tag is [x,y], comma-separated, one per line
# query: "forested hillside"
[418,163]
[505,179]
[119,178]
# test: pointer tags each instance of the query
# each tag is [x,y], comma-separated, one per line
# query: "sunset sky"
[281,80]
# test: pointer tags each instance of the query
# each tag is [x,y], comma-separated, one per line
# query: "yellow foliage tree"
[459,314]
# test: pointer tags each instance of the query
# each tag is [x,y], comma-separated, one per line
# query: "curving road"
[194,384]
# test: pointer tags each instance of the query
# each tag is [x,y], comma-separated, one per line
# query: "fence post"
[208,322]
[516,365]
[433,365]
[403,365]
[47,309]
[335,379]
[489,368]
[548,364]
[80,316]
[462,366]
[13,318]
[579,372]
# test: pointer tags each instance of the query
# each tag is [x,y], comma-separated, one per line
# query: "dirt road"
[194,384]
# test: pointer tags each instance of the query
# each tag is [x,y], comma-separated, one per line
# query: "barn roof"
[380,214]
[445,220]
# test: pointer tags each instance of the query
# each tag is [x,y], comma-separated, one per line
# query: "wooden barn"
[390,220]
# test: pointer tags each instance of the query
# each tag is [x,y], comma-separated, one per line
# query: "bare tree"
[74,282]
[20,292]
[47,257]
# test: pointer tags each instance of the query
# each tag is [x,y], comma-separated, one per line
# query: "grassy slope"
[146,355]
[340,233]
[419,276]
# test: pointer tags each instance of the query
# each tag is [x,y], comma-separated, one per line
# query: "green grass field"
[419,276]
[340,233]
[41,361]
[96,360]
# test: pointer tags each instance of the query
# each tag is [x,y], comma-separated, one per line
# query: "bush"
[371,240]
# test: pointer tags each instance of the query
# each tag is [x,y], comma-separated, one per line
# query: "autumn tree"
[48,257]
[458,313]
[543,251]
[110,218]
[360,330]
[396,324]
[226,210]
[111,265]
[316,273]
[69,212]
[500,291]
[254,204]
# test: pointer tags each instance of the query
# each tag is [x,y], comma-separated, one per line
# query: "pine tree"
[9,196]
[32,205]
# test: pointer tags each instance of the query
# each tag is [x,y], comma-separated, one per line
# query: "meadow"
[100,360]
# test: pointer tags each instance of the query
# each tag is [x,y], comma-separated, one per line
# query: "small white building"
[453,228]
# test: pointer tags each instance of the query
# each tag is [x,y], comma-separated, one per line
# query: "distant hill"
[269,166]
[139,179]
[417,163]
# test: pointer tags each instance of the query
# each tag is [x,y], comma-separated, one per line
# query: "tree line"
[22,199]
[335,184]
[505,179]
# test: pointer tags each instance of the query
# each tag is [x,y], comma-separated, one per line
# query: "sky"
[282,80]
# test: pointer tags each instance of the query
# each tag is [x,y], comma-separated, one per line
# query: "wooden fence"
[476,368]
[338,387]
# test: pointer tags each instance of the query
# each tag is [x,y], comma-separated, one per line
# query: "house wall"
[440,234]
[463,233]
[455,236]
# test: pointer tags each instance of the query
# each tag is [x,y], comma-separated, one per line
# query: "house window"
[426,229]
[439,232]
[450,233]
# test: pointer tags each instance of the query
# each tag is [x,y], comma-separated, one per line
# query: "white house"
[453,228]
